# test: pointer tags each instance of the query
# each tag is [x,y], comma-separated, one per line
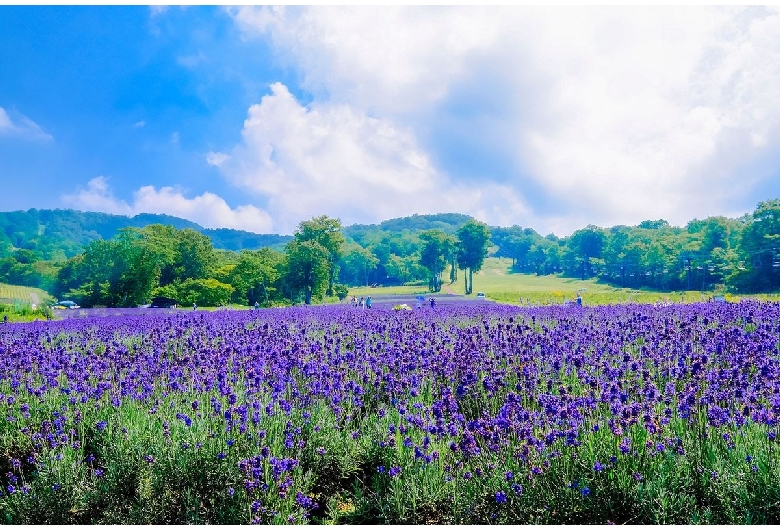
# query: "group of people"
[421,300]
[361,303]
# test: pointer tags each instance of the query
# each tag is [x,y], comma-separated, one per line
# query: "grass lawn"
[500,284]
[11,294]
[401,289]
[21,303]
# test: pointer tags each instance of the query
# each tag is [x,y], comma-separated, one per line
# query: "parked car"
[480,296]
[67,304]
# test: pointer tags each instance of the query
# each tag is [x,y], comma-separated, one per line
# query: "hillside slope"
[60,234]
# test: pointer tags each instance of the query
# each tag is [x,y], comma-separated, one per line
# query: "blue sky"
[258,118]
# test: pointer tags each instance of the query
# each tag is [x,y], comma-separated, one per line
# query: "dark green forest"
[107,260]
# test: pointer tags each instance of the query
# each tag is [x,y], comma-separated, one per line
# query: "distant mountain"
[61,234]
[447,222]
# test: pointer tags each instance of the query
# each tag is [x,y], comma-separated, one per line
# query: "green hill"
[446,222]
[61,234]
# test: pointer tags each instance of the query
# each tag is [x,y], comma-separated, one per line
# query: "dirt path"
[447,289]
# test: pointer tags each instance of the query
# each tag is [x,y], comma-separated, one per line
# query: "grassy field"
[498,283]
[501,285]
[401,289]
[21,303]
[10,294]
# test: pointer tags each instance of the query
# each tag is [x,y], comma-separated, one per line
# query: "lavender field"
[458,414]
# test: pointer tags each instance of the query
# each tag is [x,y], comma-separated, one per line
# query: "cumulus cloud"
[607,115]
[97,197]
[208,210]
[21,127]
[332,159]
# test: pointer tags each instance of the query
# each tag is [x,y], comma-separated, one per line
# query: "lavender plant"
[462,414]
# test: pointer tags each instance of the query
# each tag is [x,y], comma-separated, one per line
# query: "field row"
[461,414]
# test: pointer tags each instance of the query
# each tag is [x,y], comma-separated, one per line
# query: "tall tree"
[473,241]
[327,233]
[308,267]
[587,243]
[433,256]
[760,248]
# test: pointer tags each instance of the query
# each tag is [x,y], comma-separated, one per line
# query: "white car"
[480,296]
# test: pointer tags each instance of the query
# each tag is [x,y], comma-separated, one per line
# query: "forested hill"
[446,222]
[60,234]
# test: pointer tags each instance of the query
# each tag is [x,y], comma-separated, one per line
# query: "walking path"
[447,288]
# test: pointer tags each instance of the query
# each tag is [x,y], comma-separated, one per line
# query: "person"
[419,302]
[433,302]
[579,299]
[368,303]
[361,302]
[194,307]
[5,319]
[257,305]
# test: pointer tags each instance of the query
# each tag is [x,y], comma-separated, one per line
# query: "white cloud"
[139,124]
[379,57]
[157,10]
[334,160]
[208,210]
[97,197]
[191,61]
[617,114]
[21,127]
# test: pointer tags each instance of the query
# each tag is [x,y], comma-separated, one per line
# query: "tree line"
[325,259]
[717,253]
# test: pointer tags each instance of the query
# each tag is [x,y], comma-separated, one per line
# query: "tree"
[308,267]
[327,233]
[256,276]
[195,254]
[760,248]
[433,256]
[405,269]
[587,243]
[358,263]
[204,292]
[473,241]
